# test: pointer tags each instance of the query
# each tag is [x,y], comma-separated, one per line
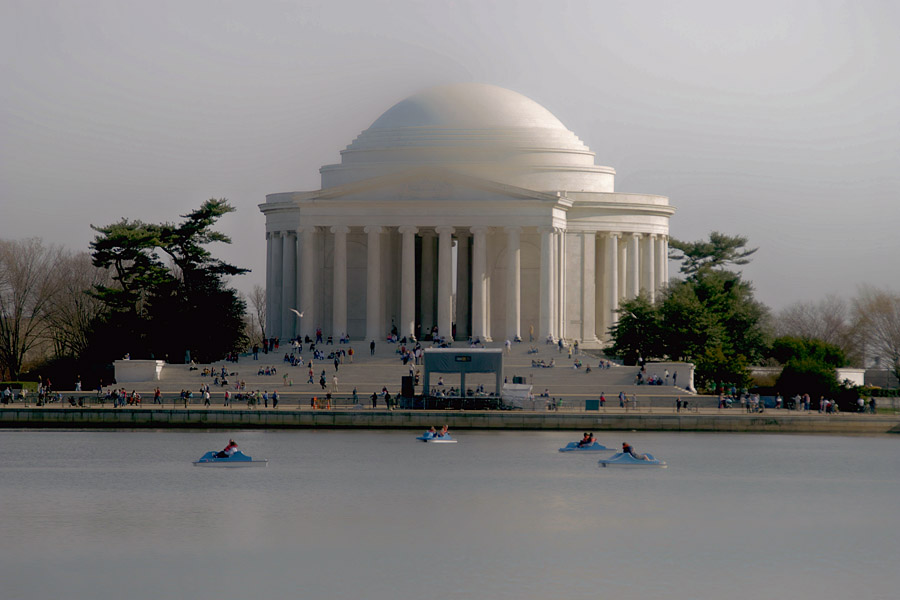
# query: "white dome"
[469,106]
[480,129]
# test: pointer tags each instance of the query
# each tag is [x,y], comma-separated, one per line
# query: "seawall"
[163,418]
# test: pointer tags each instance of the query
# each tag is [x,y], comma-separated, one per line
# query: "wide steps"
[370,373]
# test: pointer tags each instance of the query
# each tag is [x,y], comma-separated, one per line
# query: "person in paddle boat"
[629,449]
[585,441]
[432,432]
[230,449]
[443,431]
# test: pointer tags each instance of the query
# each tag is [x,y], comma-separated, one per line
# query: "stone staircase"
[370,373]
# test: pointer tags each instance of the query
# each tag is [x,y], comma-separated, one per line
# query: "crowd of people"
[410,353]
[642,378]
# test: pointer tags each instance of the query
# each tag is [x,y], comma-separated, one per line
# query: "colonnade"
[577,301]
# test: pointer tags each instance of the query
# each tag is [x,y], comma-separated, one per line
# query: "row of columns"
[632,266]
[631,262]
[282,283]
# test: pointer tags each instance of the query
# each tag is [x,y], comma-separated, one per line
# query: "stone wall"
[777,422]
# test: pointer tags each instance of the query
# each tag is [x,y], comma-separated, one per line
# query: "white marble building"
[469,207]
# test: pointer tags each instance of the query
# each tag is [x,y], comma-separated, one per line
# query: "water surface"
[376,515]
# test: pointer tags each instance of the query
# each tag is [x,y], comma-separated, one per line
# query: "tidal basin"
[375,515]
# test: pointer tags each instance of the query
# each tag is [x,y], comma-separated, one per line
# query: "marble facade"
[467,207]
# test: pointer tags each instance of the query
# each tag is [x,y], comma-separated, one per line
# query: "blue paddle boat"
[436,438]
[238,459]
[620,459]
[574,447]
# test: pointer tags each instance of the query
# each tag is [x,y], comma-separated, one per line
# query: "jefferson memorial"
[468,208]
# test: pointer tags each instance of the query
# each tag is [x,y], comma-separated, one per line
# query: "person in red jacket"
[230,449]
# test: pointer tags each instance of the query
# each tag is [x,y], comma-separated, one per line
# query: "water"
[375,515]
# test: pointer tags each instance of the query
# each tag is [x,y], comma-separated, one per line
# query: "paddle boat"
[238,459]
[436,438]
[574,447]
[623,459]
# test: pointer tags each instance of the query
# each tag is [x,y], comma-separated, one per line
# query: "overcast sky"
[779,121]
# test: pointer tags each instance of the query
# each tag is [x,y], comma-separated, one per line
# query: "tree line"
[147,290]
[709,316]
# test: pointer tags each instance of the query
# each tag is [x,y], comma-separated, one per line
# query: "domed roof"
[468,106]
[475,128]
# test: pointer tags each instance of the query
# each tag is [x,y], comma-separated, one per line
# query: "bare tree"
[28,283]
[877,315]
[257,304]
[73,310]
[829,320]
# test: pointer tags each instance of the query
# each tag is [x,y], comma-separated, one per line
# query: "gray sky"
[775,120]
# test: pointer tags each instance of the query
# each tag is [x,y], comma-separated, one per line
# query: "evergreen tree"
[635,334]
[717,252]
[170,310]
[709,318]
[809,366]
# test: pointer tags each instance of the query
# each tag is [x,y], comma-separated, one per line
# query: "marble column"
[427,282]
[374,315]
[600,292]
[648,262]
[408,281]
[463,329]
[622,267]
[588,290]
[554,278]
[270,285]
[611,281]
[289,287]
[634,266]
[445,282]
[307,281]
[560,273]
[479,289]
[513,283]
[339,297]
[277,284]
[545,321]
[665,260]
